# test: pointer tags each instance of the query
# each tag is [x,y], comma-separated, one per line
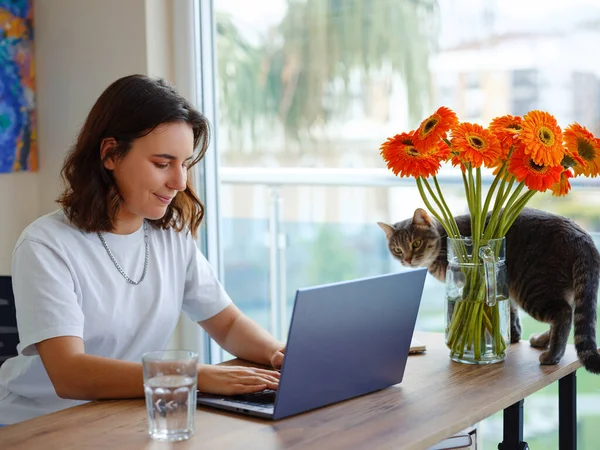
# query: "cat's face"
[414,242]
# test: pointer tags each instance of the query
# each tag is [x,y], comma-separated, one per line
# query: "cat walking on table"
[553,267]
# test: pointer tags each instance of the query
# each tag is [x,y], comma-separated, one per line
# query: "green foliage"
[335,258]
[299,74]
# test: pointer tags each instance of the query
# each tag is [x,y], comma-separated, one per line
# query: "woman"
[104,279]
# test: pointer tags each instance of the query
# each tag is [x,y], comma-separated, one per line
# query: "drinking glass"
[170,380]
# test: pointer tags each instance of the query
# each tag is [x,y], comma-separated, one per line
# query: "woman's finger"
[247,388]
[267,376]
[271,379]
[277,360]
[252,370]
[272,373]
[257,380]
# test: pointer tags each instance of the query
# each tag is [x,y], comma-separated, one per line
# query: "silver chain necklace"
[121,271]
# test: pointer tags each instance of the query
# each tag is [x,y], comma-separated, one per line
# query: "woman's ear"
[106,146]
[422,218]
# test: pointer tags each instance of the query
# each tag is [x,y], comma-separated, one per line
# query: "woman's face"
[152,173]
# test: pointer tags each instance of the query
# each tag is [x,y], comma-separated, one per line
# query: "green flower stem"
[469,324]
[478,200]
[516,210]
[500,344]
[510,185]
[506,212]
[476,329]
[487,322]
[474,207]
[441,195]
[500,199]
[467,190]
[502,217]
[430,208]
[490,194]
[475,202]
[447,217]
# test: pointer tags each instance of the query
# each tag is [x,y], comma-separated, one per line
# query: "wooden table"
[436,399]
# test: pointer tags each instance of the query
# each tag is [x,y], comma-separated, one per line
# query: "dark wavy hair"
[128,109]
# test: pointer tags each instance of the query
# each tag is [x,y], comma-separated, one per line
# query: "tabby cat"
[553,267]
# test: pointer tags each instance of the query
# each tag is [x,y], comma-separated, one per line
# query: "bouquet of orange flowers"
[527,154]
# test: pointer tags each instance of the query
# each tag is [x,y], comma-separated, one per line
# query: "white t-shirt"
[65,284]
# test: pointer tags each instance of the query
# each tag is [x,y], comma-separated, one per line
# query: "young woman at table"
[104,279]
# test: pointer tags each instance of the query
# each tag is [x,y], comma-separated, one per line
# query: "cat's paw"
[548,358]
[540,340]
[515,334]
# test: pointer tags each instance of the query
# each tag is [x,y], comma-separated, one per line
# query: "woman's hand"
[277,358]
[231,380]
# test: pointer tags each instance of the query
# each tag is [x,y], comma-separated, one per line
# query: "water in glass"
[170,384]
[171,404]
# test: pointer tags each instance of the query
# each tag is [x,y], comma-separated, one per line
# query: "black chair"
[9,338]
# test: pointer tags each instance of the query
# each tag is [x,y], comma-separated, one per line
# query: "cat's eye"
[397,251]
[417,243]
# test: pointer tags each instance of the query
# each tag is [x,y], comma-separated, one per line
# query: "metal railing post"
[274,260]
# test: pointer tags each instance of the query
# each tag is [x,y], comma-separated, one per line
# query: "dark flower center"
[585,149]
[546,136]
[475,141]
[567,162]
[536,167]
[430,125]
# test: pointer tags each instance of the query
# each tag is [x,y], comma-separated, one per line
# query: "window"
[524,91]
[306,91]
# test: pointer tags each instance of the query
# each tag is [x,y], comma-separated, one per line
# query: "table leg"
[513,428]
[567,412]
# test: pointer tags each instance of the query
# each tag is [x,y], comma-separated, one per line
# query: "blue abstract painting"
[18,143]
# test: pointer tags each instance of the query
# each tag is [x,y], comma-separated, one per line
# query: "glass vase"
[477,302]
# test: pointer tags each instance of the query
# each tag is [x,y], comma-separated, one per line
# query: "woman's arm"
[243,337]
[78,376]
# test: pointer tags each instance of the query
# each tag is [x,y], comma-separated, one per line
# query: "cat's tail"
[585,297]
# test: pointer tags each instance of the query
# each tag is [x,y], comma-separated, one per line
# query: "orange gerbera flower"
[404,159]
[537,177]
[563,187]
[435,128]
[475,145]
[584,149]
[542,138]
[506,128]
[441,151]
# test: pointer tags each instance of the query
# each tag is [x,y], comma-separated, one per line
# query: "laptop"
[345,340]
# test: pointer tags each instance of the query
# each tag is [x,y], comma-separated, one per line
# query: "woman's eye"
[416,244]
[161,166]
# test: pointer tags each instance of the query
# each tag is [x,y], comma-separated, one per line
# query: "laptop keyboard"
[266,397]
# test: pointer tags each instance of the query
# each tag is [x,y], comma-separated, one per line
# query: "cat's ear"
[387,229]
[422,218]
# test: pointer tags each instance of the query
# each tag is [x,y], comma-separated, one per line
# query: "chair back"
[9,337]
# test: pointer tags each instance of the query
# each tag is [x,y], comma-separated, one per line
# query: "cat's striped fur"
[553,267]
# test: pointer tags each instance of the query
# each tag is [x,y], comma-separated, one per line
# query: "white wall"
[19,204]
[80,48]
